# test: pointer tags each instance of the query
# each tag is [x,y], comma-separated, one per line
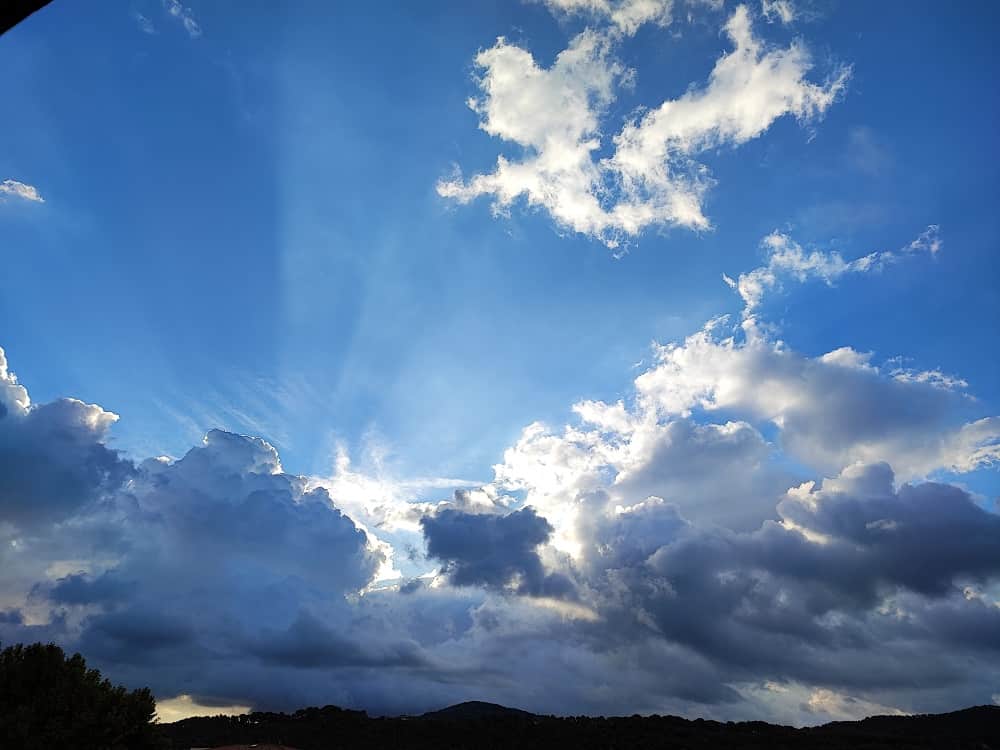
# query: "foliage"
[50,701]
[476,729]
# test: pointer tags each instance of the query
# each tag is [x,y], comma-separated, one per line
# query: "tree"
[50,701]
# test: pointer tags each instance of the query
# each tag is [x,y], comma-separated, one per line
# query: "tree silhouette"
[50,701]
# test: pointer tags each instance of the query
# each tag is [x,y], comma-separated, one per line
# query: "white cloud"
[973,446]
[652,177]
[144,23]
[778,10]
[555,115]
[21,190]
[786,259]
[13,395]
[374,496]
[831,410]
[625,16]
[866,152]
[184,15]
[932,377]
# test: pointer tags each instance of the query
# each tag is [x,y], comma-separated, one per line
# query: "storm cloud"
[661,553]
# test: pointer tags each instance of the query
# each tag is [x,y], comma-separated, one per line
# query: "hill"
[476,710]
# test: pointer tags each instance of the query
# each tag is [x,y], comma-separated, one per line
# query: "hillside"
[476,710]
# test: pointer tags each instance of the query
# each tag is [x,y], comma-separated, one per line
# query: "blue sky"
[256,206]
[245,225]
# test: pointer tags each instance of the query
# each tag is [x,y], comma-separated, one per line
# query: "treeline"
[332,727]
[49,701]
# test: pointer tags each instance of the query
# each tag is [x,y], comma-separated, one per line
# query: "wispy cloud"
[21,190]
[786,259]
[144,23]
[778,10]
[625,16]
[866,153]
[184,15]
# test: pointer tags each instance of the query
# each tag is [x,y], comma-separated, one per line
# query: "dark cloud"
[922,537]
[214,556]
[852,578]
[53,461]
[80,589]
[129,631]
[221,576]
[493,550]
[308,643]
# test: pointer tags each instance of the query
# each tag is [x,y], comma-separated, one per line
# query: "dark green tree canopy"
[50,701]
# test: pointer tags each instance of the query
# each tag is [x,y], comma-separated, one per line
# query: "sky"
[585,356]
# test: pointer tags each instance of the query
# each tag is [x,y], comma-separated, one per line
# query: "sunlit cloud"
[652,177]
[21,190]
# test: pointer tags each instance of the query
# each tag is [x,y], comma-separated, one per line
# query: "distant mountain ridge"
[471,710]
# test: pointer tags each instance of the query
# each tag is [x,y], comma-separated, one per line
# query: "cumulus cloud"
[53,459]
[886,532]
[750,530]
[221,559]
[498,551]
[830,411]
[21,190]
[837,582]
[167,562]
[652,176]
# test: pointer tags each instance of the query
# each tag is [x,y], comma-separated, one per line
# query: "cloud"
[224,561]
[165,564]
[778,10]
[554,114]
[184,706]
[144,23]
[53,459]
[309,644]
[837,581]
[870,530]
[624,16]
[79,588]
[786,259]
[652,177]
[749,531]
[21,190]
[184,16]
[497,551]
[866,153]
[830,411]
